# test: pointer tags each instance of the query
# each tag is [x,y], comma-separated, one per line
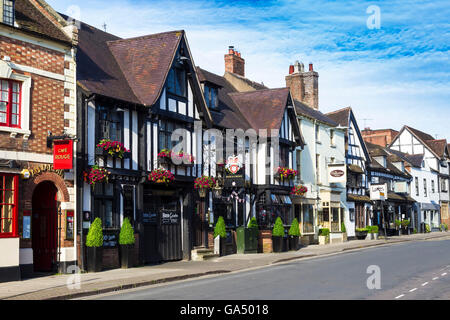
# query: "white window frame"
[6,73]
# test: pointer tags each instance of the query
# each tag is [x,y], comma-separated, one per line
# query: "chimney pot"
[291,69]
[233,64]
[311,68]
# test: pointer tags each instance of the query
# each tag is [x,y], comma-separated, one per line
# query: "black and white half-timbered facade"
[357,158]
[133,95]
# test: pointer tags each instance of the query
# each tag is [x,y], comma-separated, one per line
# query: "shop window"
[8,205]
[10,103]
[105,205]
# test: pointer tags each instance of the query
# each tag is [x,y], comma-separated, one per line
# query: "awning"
[398,197]
[358,198]
[355,168]
[430,206]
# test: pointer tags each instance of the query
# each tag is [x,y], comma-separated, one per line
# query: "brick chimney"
[304,85]
[234,63]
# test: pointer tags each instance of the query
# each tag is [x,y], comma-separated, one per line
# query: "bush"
[126,235]
[415,230]
[343,229]
[398,223]
[294,229]
[324,232]
[278,228]
[427,227]
[361,229]
[405,223]
[95,235]
[253,223]
[219,229]
[373,229]
[444,227]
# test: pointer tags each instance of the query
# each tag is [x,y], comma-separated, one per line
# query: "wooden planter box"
[265,241]
[247,240]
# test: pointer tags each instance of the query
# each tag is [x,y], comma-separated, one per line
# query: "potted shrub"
[126,241]
[374,230]
[444,227]
[286,173]
[344,232]
[94,244]
[219,230]
[278,235]
[405,226]
[247,238]
[294,234]
[427,228]
[324,236]
[361,233]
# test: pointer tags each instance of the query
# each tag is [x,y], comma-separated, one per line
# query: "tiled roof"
[438,146]
[376,150]
[145,62]
[263,109]
[304,110]
[414,159]
[341,116]
[30,18]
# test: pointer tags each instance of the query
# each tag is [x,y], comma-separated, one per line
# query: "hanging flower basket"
[299,191]
[113,148]
[96,175]
[161,176]
[286,173]
[203,184]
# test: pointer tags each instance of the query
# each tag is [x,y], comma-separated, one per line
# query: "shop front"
[330,214]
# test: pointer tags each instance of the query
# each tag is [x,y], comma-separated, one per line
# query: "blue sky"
[395,75]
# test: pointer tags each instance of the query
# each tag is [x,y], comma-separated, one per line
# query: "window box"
[111,148]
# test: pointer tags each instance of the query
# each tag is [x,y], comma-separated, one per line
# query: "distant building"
[381,137]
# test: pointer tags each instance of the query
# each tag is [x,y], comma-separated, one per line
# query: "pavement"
[61,287]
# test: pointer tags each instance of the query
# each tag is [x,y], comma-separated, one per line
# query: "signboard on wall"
[378,192]
[337,173]
[63,155]
[170,217]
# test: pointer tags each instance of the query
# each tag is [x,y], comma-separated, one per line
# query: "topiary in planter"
[294,234]
[94,243]
[126,236]
[95,235]
[253,223]
[294,229]
[219,230]
[126,241]
[277,235]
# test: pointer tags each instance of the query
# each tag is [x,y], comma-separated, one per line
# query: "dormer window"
[211,97]
[8,12]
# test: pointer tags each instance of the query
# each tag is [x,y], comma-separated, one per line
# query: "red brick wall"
[47,95]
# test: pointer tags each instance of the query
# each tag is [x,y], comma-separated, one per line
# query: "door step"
[202,254]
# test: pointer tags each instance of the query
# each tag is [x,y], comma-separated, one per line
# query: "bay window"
[8,205]
[10,103]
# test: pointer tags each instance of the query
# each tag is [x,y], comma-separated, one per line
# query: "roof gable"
[145,62]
